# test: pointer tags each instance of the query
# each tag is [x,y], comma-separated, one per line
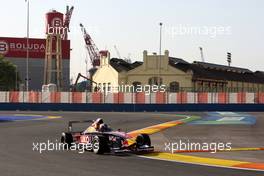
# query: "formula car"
[107,141]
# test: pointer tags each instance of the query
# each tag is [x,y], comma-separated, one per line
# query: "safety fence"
[133,98]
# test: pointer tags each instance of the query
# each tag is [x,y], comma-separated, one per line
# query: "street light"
[159,81]
[27,57]
[229,59]
[16,78]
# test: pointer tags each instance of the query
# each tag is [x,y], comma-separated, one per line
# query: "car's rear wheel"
[142,140]
[67,140]
[100,144]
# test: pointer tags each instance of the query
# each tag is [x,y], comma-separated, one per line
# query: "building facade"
[177,74]
[15,50]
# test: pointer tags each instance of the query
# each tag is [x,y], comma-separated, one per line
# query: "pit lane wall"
[132,98]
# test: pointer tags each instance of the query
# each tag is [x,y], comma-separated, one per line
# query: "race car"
[106,141]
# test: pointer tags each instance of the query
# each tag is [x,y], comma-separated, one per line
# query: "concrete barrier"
[133,98]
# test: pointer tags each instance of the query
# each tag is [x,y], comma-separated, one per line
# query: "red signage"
[54,23]
[17,47]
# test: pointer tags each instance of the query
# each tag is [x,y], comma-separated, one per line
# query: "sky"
[218,26]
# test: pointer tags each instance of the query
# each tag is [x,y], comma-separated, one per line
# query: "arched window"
[174,86]
[135,85]
[155,81]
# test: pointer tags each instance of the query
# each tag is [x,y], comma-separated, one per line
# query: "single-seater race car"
[105,140]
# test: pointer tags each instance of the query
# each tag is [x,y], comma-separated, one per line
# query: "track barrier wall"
[160,101]
[133,98]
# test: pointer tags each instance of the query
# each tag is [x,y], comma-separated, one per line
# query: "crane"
[66,21]
[117,52]
[89,87]
[92,49]
[127,59]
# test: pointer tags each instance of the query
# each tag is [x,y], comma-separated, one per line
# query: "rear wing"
[80,121]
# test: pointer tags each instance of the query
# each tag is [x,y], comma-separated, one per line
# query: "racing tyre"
[67,139]
[100,144]
[143,139]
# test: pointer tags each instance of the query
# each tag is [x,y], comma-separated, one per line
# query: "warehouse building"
[14,50]
[177,74]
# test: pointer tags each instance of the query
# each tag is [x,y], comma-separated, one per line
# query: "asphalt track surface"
[18,158]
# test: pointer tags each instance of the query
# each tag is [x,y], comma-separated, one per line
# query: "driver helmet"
[99,121]
[104,128]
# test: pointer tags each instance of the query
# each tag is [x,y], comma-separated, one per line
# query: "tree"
[8,75]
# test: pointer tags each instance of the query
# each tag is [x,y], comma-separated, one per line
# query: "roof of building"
[136,64]
[203,70]
[175,60]
[222,67]
[121,65]
[259,72]
[179,64]
[200,70]
[206,73]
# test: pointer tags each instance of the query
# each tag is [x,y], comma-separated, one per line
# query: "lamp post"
[229,59]
[27,57]
[159,78]
[16,78]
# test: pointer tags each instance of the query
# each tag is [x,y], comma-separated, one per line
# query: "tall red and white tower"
[57,28]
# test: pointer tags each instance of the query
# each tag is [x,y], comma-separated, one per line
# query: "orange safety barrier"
[160,97]
[140,98]
[119,98]
[260,97]
[182,97]
[241,97]
[77,97]
[33,97]
[222,98]
[14,97]
[202,97]
[97,97]
[55,97]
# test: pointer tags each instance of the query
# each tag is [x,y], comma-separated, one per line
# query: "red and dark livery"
[107,141]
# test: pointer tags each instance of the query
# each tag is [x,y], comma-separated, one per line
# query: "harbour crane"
[66,21]
[94,56]
[92,49]
[117,52]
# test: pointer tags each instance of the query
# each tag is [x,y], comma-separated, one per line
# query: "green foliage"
[8,75]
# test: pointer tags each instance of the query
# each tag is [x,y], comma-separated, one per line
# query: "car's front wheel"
[142,140]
